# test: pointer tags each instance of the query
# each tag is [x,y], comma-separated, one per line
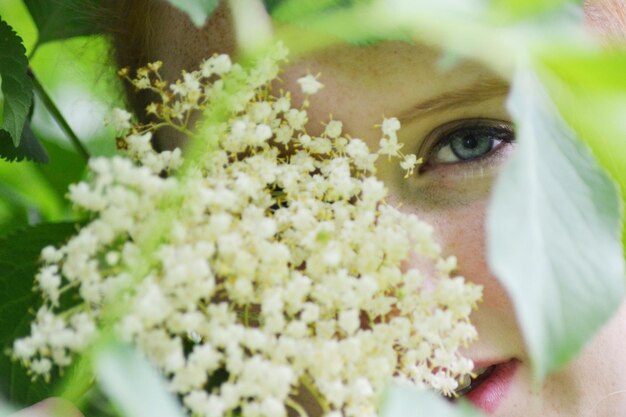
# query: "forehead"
[365,83]
[362,83]
[378,68]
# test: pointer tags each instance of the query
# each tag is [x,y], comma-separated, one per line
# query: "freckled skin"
[363,84]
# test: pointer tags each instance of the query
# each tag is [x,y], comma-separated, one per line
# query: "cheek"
[461,232]
[594,382]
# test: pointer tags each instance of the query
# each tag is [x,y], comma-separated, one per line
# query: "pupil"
[470,141]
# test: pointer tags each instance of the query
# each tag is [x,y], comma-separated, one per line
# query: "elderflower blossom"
[280,270]
[309,84]
[119,119]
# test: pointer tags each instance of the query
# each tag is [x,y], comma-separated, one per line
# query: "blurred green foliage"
[19,254]
[589,87]
[519,9]
[78,74]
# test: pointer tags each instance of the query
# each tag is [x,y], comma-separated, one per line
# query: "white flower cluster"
[265,270]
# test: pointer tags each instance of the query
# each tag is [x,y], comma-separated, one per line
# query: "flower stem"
[308,384]
[296,407]
[58,117]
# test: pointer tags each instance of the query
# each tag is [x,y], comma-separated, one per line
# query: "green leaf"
[19,258]
[1,102]
[401,401]
[133,385]
[65,167]
[587,70]
[554,232]
[62,19]
[29,147]
[198,10]
[589,88]
[29,188]
[17,86]
[519,9]
[13,213]
[293,10]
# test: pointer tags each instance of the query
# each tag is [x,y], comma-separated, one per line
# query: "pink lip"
[492,391]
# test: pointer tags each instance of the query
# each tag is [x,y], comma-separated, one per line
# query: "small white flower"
[273,407]
[119,119]
[41,366]
[349,321]
[333,129]
[390,127]
[24,348]
[140,144]
[309,84]
[409,163]
[218,64]
[192,84]
[263,132]
[297,119]
[50,254]
[390,146]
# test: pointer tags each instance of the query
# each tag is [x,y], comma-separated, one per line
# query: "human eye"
[467,140]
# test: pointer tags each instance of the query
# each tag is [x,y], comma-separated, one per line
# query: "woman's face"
[455,119]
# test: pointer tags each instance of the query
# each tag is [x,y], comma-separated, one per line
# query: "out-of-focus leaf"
[554,232]
[65,167]
[133,385]
[293,10]
[589,88]
[62,19]
[29,147]
[316,27]
[19,257]
[519,9]
[1,102]
[13,213]
[17,87]
[36,192]
[588,70]
[33,190]
[198,10]
[410,402]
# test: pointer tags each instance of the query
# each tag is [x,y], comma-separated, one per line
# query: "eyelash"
[442,136]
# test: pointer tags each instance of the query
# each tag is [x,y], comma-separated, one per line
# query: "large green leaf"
[554,232]
[198,10]
[17,87]
[19,257]
[62,19]
[589,88]
[133,385]
[410,402]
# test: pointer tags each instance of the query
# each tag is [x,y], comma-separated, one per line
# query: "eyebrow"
[482,90]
